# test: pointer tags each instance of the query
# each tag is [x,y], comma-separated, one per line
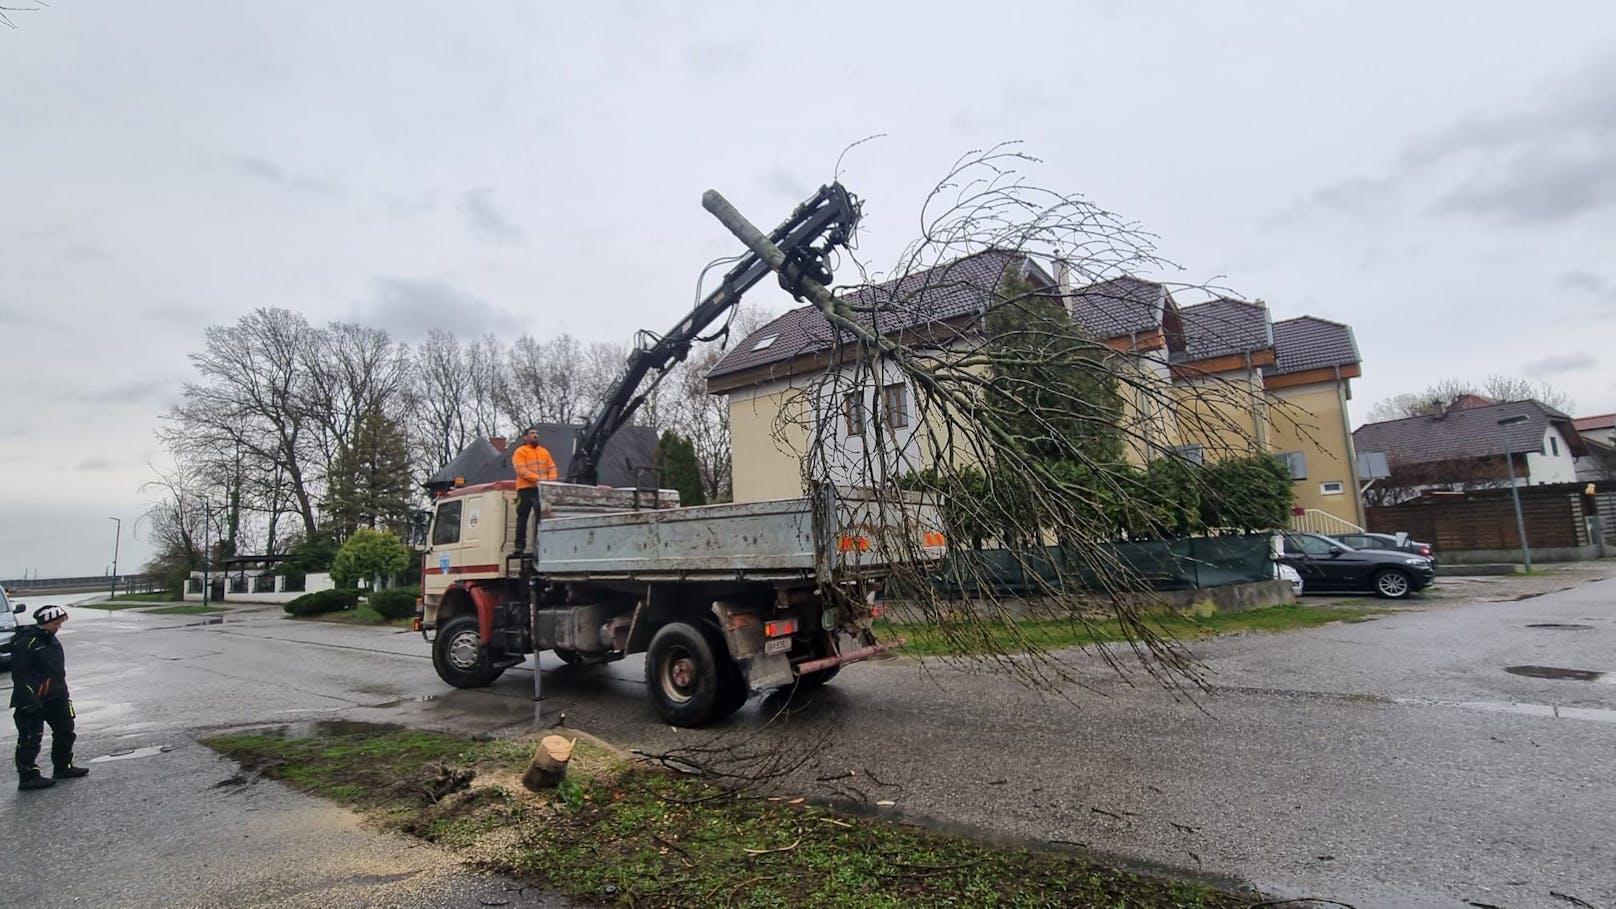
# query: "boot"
[70,772]
[32,780]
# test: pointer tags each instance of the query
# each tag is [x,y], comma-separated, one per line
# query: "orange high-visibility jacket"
[533,463]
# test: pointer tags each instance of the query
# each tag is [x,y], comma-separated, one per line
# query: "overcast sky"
[1441,176]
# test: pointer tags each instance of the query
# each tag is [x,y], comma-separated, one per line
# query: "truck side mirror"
[18,608]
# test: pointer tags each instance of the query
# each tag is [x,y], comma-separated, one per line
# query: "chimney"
[498,442]
[1063,276]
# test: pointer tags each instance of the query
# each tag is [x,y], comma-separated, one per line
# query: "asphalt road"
[1394,762]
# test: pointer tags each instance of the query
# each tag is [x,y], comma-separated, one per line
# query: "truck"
[724,600]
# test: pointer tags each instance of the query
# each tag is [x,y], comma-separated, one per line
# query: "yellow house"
[1310,379]
[1208,381]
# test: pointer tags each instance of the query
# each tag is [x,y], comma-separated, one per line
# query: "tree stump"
[549,765]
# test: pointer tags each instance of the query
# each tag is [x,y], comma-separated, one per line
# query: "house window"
[1191,453]
[1333,488]
[895,405]
[1295,462]
[1554,446]
[446,528]
[853,413]
[765,342]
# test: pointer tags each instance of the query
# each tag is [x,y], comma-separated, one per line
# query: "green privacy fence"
[1179,564]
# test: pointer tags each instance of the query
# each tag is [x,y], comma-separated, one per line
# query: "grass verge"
[620,833]
[929,639]
[185,609]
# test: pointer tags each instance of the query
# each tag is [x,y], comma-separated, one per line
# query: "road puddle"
[1559,674]
[1561,626]
[133,753]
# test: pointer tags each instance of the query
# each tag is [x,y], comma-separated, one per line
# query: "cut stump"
[549,765]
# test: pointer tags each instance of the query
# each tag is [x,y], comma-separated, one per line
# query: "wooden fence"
[1554,515]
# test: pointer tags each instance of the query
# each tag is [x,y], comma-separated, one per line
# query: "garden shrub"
[322,601]
[394,602]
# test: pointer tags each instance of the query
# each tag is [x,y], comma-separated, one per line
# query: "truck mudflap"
[854,656]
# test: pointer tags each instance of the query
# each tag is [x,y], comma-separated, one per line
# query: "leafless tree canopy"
[1444,393]
[972,388]
[277,403]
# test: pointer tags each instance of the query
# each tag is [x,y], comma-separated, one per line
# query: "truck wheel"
[460,657]
[1392,584]
[691,676]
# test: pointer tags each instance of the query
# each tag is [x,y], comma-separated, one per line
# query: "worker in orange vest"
[533,464]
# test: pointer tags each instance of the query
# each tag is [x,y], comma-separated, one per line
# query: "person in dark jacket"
[39,697]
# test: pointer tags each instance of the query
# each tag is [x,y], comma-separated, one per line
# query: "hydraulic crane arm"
[832,214]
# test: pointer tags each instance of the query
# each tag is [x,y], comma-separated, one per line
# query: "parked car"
[1331,565]
[8,627]
[1290,576]
[1398,542]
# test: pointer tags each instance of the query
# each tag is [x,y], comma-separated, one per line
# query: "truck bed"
[771,540]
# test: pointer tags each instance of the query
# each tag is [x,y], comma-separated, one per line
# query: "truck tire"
[692,678]
[460,657]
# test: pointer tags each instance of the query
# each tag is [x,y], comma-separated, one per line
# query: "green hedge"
[323,601]
[394,602]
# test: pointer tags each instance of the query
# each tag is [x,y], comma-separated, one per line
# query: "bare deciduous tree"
[969,386]
[1442,394]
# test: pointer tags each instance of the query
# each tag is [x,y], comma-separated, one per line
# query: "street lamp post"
[207,528]
[117,539]
[1515,494]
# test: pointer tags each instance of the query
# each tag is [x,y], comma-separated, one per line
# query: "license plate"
[778,645]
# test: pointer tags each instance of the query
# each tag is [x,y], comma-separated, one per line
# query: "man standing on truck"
[533,464]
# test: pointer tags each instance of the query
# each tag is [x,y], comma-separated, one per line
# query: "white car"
[8,627]
[1286,573]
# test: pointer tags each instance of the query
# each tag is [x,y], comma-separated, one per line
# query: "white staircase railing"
[1313,520]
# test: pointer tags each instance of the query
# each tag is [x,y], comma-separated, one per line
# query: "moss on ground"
[619,832]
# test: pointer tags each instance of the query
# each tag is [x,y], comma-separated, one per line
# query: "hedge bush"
[323,601]
[394,602]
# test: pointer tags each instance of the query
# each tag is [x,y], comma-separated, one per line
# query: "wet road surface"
[1395,762]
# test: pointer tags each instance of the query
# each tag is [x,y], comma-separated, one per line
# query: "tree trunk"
[549,765]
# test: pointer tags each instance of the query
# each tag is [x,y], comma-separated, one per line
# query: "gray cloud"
[783,182]
[1585,280]
[175,314]
[95,464]
[487,220]
[85,252]
[410,307]
[1359,196]
[132,391]
[409,206]
[714,60]
[1539,185]
[255,168]
[1544,162]
[1568,362]
[23,317]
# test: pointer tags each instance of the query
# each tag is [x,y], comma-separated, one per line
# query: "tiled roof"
[1119,307]
[953,289]
[1466,433]
[1600,421]
[1307,343]
[1224,326]
[631,447]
